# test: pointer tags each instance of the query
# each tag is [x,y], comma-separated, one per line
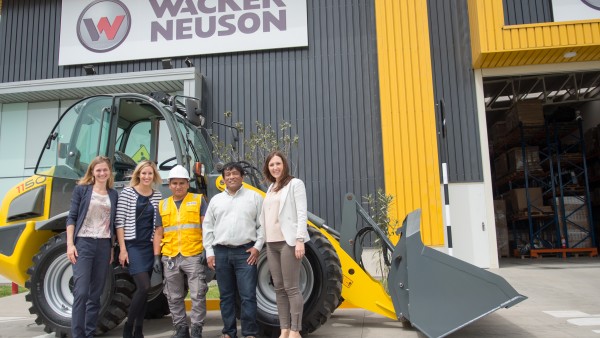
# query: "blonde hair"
[88,178]
[135,177]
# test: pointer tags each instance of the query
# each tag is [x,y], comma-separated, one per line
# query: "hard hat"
[179,172]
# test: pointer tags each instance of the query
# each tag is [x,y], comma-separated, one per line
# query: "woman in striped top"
[135,221]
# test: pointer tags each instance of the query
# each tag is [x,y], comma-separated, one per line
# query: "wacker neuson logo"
[103,25]
[96,31]
[595,4]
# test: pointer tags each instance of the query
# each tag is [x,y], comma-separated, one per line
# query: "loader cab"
[127,128]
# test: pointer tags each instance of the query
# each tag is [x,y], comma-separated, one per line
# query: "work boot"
[182,331]
[127,330]
[196,331]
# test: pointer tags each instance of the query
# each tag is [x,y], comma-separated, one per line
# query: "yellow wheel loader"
[434,292]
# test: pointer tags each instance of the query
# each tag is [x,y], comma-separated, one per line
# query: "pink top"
[97,220]
[271,211]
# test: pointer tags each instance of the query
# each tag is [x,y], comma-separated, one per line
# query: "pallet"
[523,215]
[518,254]
[538,253]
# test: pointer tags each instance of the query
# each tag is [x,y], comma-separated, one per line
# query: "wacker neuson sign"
[113,30]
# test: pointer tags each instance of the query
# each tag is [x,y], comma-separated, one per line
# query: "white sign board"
[113,30]
[575,10]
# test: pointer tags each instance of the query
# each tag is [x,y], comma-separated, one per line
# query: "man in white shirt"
[233,237]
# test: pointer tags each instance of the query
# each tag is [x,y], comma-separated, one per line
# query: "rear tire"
[50,287]
[320,284]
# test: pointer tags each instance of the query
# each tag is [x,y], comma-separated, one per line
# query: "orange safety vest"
[182,230]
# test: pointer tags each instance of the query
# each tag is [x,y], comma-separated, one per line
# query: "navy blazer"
[80,203]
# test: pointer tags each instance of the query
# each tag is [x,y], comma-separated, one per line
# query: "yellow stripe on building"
[410,155]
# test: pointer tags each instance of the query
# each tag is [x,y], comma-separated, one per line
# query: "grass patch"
[213,292]
[6,290]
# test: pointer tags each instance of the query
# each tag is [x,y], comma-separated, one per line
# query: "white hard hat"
[179,172]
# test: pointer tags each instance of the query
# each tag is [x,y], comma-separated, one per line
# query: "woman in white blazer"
[284,219]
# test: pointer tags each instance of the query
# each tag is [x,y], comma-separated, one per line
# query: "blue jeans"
[235,275]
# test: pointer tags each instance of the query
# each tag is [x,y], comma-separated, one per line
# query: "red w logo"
[103,26]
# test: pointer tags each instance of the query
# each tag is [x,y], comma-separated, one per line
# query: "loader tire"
[158,306]
[320,284]
[50,287]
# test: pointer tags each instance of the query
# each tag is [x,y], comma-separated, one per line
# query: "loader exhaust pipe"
[438,293]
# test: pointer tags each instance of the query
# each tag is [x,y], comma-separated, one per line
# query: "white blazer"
[292,212]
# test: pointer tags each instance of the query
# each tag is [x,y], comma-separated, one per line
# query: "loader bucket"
[438,293]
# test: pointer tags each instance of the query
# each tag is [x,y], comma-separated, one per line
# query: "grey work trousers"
[285,271]
[175,270]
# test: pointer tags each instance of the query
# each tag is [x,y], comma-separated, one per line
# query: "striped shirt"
[126,210]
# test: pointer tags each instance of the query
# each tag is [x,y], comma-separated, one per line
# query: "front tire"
[158,305]
[320,284]
[50,287]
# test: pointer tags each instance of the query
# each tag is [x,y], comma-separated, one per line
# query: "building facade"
[365,91]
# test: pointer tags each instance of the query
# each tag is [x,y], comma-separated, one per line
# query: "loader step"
[538,253]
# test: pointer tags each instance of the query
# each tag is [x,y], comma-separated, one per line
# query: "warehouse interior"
[544,146]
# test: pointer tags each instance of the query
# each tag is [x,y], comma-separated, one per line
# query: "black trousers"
[89,277]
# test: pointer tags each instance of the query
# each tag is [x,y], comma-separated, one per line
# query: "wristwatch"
[301,240]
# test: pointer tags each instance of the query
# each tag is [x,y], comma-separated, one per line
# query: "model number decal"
[30,183]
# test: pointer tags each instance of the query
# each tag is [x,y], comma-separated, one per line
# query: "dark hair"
[285,175]
[233,165]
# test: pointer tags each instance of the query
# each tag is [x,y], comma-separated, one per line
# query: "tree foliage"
[378,206]
[256,143]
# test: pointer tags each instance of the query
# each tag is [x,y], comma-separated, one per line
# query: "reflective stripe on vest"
[181,227]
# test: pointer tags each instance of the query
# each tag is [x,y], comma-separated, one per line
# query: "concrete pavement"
[564,301]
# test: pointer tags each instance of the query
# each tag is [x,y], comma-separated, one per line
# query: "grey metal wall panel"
[454,83]
[519,12]
[328,91]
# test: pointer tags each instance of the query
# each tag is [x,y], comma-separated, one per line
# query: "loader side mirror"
[199,172]
[193,111]
[63,149]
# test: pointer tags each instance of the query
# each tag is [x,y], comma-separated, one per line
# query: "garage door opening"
[544,142]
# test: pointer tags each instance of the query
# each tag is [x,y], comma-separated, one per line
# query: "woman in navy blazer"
[90,235]
[283,216]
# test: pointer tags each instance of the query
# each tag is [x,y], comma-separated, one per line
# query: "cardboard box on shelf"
[501,165]
[498,130]
[515,159]
[518,198]
[501,228]
[530,113]
[578,227]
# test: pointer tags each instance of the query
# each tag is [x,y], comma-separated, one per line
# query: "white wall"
[470,227]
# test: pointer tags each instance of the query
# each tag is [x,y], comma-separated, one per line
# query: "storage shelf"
[559,163]
[533,135]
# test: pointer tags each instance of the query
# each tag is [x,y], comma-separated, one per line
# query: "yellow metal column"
[410,155]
